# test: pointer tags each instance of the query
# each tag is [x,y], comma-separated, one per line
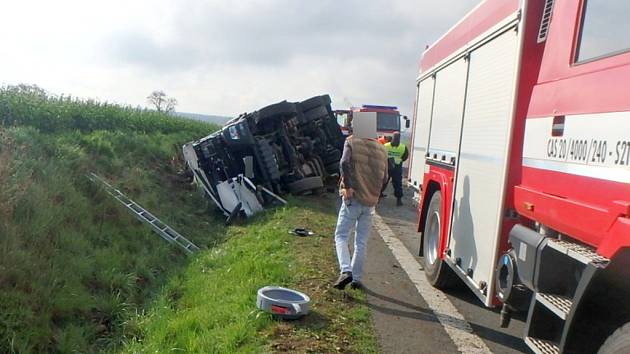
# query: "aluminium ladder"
[160,228]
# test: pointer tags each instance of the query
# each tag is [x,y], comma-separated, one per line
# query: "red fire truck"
[387,118]
[521,155]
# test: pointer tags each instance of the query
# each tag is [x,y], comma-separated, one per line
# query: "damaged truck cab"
[284,147]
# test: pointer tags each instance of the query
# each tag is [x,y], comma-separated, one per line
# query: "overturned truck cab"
[286,147]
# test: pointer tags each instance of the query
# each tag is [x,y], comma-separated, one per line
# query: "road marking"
[453,322]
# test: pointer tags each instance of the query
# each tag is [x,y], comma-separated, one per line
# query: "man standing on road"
[397,153]
[363,172]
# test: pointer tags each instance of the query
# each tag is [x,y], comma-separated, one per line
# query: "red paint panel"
[481,19]
[594,211]
[585,222]
[584,208]
[569,88]
[618,238]
[585,189]
[595,92]
[444,178]
[561,43]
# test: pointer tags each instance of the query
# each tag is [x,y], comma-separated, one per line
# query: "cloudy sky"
[223,57]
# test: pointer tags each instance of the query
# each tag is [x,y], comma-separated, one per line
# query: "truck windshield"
[387,121]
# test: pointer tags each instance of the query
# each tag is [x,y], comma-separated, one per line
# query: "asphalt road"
[403,321]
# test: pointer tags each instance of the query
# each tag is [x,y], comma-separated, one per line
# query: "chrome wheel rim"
[433,237]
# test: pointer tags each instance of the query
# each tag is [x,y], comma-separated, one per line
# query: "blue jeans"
[353,213]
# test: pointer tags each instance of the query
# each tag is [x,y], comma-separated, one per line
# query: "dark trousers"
[395,173]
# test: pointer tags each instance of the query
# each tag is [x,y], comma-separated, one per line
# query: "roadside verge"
[211,306]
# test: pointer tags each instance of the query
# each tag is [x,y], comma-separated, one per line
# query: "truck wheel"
[315,113]
[276,110]
[305,184]
[314,102]
[439,274]
[618,342]
[333,168]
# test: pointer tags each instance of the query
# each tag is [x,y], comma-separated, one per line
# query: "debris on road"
[283,303]
[301,232]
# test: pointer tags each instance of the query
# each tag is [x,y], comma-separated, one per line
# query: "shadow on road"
[417,312]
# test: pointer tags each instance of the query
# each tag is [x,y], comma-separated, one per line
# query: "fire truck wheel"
[618,342]
[439,274]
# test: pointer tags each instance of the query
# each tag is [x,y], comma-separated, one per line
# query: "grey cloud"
[273,32]
[140,49]
[378,43]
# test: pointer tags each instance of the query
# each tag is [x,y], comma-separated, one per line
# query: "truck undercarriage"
[286,147]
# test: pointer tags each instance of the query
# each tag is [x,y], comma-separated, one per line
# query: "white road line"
[453,322]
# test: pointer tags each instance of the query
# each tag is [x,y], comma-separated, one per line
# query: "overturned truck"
[286,147]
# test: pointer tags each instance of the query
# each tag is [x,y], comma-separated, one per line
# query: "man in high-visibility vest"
[397,153]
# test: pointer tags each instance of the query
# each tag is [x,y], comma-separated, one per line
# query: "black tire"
[333,168]
[333,156]
[305,185]
[317,112]
[268,161]
[315,102]
[439,274]
[618,342]
[279,109]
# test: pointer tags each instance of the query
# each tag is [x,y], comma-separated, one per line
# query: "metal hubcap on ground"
[433,237]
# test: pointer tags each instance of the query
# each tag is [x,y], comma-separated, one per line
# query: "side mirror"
[407,122]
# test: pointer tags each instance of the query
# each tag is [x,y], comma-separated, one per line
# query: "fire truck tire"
[439,274]
[305,184]
[618,342]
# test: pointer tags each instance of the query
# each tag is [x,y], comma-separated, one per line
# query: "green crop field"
[75,268]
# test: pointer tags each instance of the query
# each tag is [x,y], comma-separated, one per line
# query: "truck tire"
[283,108]
[268,161]
[333,168]
[305,184]
[315,113]
[315,102]
[618,342]
[439,274]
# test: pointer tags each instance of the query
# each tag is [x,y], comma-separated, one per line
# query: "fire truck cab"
[521,155]
[387,118]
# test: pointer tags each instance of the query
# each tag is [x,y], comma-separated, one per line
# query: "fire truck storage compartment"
[448,108]
[482,161]
[421,129]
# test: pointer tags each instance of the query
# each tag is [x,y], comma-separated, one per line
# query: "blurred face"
[396,139]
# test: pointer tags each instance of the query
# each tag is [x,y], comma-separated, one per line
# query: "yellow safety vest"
[395,152]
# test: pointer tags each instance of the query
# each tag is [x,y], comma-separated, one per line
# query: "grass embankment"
[79,274]
[211,307]
[75,268]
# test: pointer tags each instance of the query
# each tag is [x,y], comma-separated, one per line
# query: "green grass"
[211,307]
[79,274]
[75,267]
